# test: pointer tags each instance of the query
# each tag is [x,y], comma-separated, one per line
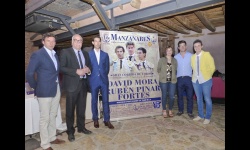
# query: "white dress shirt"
[97,54]
[52,56]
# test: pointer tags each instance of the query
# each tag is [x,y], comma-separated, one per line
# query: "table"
[88,112]
[32,116]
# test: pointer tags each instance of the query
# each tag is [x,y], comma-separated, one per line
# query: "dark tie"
[81,65]
[198,65]
[130,58]
[120,64]
[143,64]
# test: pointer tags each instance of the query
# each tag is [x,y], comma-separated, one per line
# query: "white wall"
[214,43]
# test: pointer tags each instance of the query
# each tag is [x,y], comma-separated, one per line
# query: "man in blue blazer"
[99,81]
[43,76]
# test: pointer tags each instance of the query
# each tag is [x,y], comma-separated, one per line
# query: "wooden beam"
[186,23]
[193,35]
[129,29]
[153,26]
[156,26]
[146,29]
[201,15]
[172,26]
[223,9]
[154,30]
[220,32]
[33,5]
[138,27]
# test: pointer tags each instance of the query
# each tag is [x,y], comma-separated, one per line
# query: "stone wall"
[29,48]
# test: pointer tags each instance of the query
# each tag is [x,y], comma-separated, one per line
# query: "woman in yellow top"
[203,67]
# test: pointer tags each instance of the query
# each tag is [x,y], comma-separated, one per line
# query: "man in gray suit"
[42,76]
[75,68]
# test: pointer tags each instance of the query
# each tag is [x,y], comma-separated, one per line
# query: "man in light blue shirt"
[184,79]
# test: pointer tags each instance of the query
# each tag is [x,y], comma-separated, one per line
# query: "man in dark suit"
[75,68]
[99,81]
[42,75]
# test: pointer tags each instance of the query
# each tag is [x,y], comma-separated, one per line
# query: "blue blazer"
[101,70]
[44,83]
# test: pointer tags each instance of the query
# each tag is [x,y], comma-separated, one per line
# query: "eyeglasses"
[78,41]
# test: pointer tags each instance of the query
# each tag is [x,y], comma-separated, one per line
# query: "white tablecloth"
[88,113]
[32,116]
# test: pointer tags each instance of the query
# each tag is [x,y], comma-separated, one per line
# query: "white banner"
[134,89]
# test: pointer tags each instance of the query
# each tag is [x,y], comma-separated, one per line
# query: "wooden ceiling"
[195,19]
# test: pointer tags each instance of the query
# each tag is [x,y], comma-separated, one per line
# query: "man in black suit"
[74,64]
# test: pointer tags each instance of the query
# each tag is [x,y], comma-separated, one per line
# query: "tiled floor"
[149,133]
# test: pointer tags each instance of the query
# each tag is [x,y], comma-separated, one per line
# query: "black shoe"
[110,126]
[85,131]
[179,113]
[190,115]
[71,137]
[96,124]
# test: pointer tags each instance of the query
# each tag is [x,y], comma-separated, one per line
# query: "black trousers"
[76,101]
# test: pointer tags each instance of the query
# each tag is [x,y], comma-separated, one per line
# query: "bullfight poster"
[134,89]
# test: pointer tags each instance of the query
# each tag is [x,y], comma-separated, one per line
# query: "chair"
[218,88]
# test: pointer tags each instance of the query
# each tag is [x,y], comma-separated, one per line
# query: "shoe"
[48,148]
[206,121]
[170,114]
[191,116]
[164,113]
[57,141]
[85,131]
[96,124]
[197,118]
[179,113]
[71,137]
[110,126]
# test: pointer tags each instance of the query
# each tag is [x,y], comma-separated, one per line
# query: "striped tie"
[81,65]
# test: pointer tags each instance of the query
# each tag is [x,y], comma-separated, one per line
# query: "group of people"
[81,70]
[84,70]
[133,62]
[190,73]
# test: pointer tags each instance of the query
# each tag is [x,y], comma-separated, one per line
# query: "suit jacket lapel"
[46,55]
[73,56]
[58,65]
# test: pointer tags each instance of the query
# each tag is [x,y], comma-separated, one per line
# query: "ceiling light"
[135,3]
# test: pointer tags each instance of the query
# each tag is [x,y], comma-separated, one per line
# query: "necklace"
[169,60]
